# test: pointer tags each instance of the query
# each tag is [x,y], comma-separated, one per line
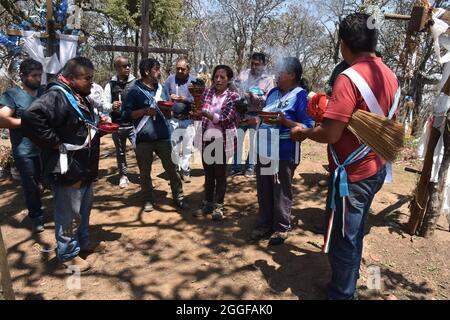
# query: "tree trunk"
[436,201]
[5,276]
[419,202]
[136,54]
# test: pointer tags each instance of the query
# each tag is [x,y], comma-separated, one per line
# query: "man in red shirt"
[355,177]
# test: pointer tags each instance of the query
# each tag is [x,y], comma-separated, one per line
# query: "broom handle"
[394,16]
[6,282]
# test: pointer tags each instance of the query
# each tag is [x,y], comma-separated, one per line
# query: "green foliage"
[166,16]
[124,12]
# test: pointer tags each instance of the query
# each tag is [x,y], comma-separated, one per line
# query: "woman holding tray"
[278,155]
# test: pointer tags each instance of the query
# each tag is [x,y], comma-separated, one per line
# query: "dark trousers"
[275,199]
[120,141]
[215,178]
[144,157]
[30,174]
[346,252]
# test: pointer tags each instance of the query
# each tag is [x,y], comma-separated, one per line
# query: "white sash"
[144,119]
[63,160]
[372,104]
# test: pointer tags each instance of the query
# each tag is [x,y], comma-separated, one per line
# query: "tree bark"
[5,276]
[436,201]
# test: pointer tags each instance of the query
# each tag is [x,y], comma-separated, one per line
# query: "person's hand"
[176,98]
[298,133]
[116,105]
[279,120]
[207,114]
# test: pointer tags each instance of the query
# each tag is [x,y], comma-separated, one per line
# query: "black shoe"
[260,233]
[37,226]
[278,238]
[181,204]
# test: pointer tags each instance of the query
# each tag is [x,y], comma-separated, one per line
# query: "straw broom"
[384,136]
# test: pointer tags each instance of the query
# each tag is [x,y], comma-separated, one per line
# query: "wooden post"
[50,29]
[420,200]
[436,201]
[145,27]
[6,282]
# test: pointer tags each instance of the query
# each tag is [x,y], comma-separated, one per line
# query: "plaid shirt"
[228,119]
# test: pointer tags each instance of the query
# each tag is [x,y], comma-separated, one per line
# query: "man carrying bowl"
[63,124]
[152,131]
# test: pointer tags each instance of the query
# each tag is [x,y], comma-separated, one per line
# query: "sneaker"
[77,262]
[207,208]
[278,238]
[249,173]
[94,248]
[37,226]
[217,214]
[123,182]
[148,206]
[260,233]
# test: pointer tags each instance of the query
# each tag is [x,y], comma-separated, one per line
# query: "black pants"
[275,197]
[215,180]
[120,142]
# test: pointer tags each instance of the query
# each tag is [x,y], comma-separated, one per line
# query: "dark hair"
[304,83]
[72,67]
[258,56]
[147,65]
[354,31]
[293,65]
[227,69]
[29,65]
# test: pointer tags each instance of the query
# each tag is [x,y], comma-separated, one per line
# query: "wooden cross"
[144,49]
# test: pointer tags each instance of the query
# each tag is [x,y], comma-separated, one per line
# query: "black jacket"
[50,121]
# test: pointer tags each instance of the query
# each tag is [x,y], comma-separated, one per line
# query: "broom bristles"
[385,137]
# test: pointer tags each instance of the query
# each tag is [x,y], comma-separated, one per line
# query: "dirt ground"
[167,254]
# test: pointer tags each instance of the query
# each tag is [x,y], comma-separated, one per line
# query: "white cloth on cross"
[35,49]
[67,47]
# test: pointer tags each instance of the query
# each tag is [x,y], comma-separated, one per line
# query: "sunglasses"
[126,65]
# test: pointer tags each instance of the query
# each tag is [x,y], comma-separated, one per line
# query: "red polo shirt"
[346,98]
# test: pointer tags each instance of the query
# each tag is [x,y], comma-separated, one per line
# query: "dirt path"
[170,255]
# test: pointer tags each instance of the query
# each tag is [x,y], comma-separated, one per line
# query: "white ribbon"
[144,119]
[63,160]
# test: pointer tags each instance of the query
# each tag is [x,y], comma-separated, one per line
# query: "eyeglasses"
[126,66]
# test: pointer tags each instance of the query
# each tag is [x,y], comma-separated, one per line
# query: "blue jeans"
[72,210]
[237,159]
[346,252]
[30,174]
